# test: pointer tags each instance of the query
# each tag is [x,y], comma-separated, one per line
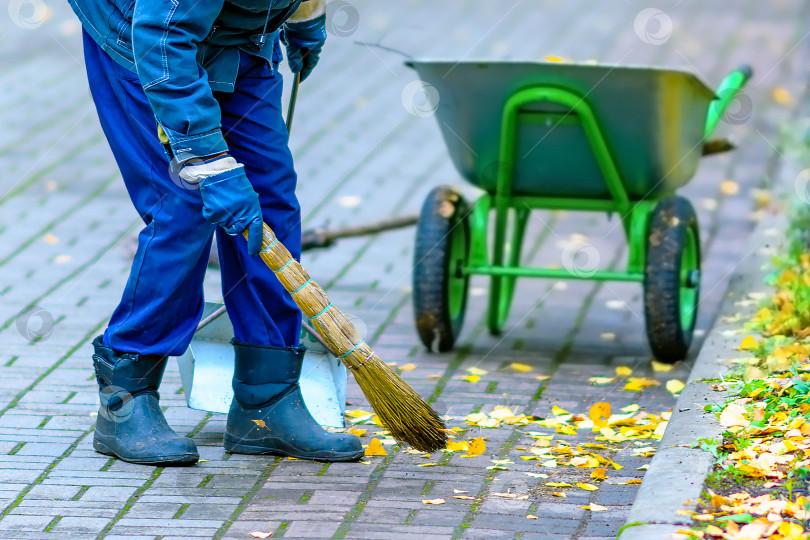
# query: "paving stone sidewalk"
[65,240]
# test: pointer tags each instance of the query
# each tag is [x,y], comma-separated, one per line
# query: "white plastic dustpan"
[206,369]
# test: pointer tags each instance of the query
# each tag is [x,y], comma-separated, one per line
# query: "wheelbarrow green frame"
[504,264]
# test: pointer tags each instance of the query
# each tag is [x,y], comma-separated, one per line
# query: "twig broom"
[402,411]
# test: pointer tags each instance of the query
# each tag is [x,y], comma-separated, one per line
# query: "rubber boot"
[130,424]
[268,414]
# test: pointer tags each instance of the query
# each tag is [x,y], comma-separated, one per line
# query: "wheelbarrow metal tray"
[652,120]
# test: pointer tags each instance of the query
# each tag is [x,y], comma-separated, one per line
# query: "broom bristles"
[402,411]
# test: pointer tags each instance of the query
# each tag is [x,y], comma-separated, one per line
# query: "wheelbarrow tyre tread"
[443,212]
[668,238]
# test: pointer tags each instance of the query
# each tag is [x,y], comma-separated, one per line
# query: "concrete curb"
[678,471]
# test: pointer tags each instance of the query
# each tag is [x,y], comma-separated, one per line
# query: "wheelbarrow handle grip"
[746,70]
[726,93]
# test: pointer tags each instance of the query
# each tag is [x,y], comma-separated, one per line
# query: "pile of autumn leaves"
[767,442]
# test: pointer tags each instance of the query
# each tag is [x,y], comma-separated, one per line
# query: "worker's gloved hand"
[304,36]
[228,198]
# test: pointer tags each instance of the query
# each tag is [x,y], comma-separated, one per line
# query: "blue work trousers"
[163,299]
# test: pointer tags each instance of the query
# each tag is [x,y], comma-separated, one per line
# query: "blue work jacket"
[183,51]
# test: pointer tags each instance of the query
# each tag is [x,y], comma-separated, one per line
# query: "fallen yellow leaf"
[559,484]
[662,367]
[594,508]
[259,423]
[714,530]
[729,187]
[558,494]
[408,367]
[432,501]
[637,384]
[464,497]
[522,368]
[733,415]
[375,448]
[356,431]
[532,516]
[633,481]
[747,344]
[601,380]
[782,96]
[675,386]
[510,495]
[457,446]
[476,371]
[790,530]
[586,487]
[543,377]
[599,414]
[623,371]
[261,534]
[553,59]
[703,517]
[471,378]
[477,447]
[599,474]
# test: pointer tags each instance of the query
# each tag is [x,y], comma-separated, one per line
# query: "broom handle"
[293,99]
[290,113]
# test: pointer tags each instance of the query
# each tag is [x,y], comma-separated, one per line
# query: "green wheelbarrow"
[581,137]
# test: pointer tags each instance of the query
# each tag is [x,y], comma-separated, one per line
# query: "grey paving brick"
[53,492]
[71,524]
[104,493]
[24,523]
[312,529]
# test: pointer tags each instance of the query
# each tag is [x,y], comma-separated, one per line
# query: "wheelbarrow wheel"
[672,278]
[439,286]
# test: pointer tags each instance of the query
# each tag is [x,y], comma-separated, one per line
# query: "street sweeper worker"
[203,76]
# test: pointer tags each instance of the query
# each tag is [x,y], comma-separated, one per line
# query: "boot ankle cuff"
[262,374]
[135,373]
[300,349]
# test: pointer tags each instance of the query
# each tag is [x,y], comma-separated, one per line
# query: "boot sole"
[182,460]
[334,457]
